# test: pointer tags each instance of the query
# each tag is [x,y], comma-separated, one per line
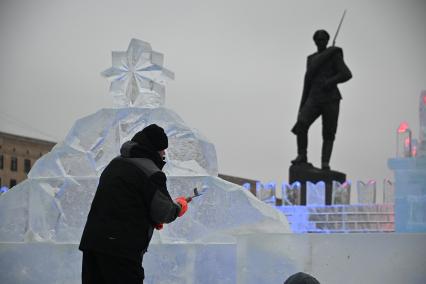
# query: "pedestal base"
[307,172]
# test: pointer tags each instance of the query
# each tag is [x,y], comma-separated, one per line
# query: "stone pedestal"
[306,172]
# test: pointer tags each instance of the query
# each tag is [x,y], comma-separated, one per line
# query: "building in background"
[17,155]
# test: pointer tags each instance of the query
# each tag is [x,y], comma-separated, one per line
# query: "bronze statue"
[321,97]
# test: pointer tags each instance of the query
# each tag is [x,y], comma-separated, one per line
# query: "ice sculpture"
[315,193]
[388,192]
[291,193]
[403,147]
[51,206]
[137,76]
[266,192]
[410,182]
[341,193]
[366,192]
[96,139]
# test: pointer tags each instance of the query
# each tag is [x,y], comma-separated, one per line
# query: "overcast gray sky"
[239,68]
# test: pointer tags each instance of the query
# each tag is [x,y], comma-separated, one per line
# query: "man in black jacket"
[130,201]
[321,97]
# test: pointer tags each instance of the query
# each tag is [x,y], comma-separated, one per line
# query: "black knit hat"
[155,135]
[301,278]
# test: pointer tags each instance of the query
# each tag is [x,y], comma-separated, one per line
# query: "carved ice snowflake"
[137,76]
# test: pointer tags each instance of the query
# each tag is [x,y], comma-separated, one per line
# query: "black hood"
[131,149]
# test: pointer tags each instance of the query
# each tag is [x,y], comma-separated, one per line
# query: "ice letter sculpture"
[45,214]
[291,193]
[388,192]
[366,192]
[315,193]
[341,193]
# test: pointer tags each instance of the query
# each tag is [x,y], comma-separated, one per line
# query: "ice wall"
[410,183]
[422,116]
[257,258]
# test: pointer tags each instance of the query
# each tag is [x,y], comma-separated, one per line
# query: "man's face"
[162,154]
[321,43]
[321,38]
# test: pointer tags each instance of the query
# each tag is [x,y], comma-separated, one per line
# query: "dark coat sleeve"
[162,208]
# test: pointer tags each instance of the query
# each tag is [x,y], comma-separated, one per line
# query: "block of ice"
[256,258]
[46,209]
[191,263]
[315,193]
[341,193]
[410,183]
[266,192]
[366,192]
[14,213]
[388,192]
[291,193]
[410,193]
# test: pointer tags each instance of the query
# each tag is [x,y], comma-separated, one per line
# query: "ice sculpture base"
[410,193]
[356,218]
[306,172]
[255,258]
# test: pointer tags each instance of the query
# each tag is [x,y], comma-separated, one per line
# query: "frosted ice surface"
[55,209]
[51,263]
[223,209]
[96,139]
[137,76]
[266,192]
[14,207]
[315,193]
[291,193]
[422,118]
[366,192]
[260,258]
[63,161]
[62,183]
[341,193]
[388,192]
[46,209]
[191,263]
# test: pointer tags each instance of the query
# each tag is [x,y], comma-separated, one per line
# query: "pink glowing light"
[407,142]
[414,151]
[424,99]
[403,127]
